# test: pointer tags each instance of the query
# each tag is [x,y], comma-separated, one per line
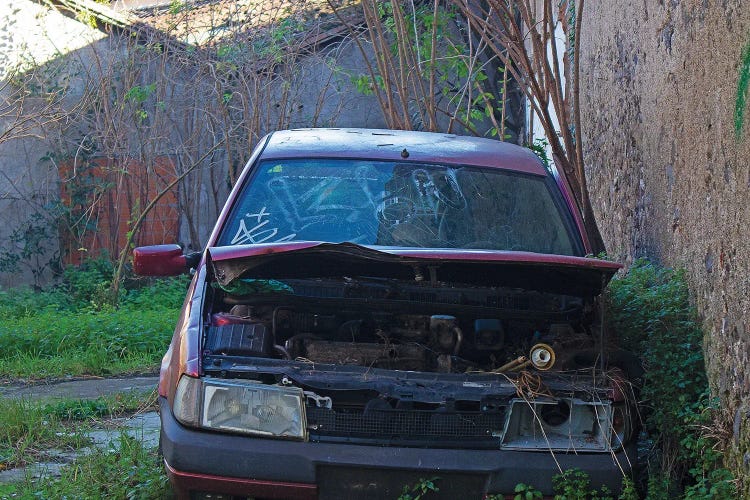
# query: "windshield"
[400,204]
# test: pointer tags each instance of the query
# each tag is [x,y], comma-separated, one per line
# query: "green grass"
[91,361]
[650,309]
[68,331]
[29,430]
[8,491]
[56,344]
[32,428]
[110,406]
[129,471]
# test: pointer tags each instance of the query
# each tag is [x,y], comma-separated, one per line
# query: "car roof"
[401,145]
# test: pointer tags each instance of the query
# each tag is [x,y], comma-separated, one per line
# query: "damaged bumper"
[200,461]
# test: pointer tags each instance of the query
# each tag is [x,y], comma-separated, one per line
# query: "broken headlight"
[559,425]
[241,406]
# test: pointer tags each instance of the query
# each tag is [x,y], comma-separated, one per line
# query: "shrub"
[650,310]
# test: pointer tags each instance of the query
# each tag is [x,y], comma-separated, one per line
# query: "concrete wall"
[32,35]
[669,171]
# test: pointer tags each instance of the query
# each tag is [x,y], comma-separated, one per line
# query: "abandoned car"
[375,309]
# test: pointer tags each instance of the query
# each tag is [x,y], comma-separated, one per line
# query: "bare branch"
[527,46]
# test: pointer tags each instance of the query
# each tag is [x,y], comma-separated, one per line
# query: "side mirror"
[163,260]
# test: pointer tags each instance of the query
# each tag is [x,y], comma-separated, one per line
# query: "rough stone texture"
[670,179]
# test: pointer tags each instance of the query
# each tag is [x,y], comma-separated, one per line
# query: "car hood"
[312,259]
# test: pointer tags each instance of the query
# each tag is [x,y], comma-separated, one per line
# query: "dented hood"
[311,259]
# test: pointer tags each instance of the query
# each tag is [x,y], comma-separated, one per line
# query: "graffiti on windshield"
[258,233]
[399,205]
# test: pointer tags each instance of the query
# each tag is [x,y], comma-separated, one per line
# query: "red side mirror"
[162,260]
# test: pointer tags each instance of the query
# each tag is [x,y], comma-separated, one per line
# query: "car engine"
[401,325]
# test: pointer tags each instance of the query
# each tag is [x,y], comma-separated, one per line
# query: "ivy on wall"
[743,81]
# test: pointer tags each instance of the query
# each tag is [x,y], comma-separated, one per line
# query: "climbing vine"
[743,81]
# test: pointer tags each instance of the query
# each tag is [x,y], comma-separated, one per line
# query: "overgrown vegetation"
[651,312]
[686,431]
[129,470]
[35,431]
[110,406]
[28,430]
[425,74]
[419,490]
[31,429]
[574,484]
[70,329]
[132,130]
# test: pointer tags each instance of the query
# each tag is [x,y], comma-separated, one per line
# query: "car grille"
[405,427]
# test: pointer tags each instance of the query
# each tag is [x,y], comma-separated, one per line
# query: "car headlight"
[241,406]
[559,425]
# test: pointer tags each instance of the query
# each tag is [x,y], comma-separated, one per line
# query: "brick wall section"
[105,196]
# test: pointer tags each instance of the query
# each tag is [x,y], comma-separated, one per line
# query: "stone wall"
[669,170]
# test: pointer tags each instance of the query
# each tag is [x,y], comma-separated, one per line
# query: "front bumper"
[206,461]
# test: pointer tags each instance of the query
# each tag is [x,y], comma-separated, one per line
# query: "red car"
[378,308]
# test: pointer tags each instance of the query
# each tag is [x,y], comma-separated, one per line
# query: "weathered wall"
[670,176]
[32,35]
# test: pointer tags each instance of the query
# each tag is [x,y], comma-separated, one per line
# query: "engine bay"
[403,325]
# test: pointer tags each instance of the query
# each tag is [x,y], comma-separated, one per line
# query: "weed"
[525,492]
[91,361]
[430,38]
[574,484]
[110,406]
[167,293]
[539,147]
[111,334]
[128,470]
[29,247]
[650,310]
[8,491]
[88,283]
[71,330]
[28,431]
[420,489]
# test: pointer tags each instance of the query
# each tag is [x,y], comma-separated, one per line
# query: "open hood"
[310,259]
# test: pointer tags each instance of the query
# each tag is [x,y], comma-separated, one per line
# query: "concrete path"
[144,426]
[90,388]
